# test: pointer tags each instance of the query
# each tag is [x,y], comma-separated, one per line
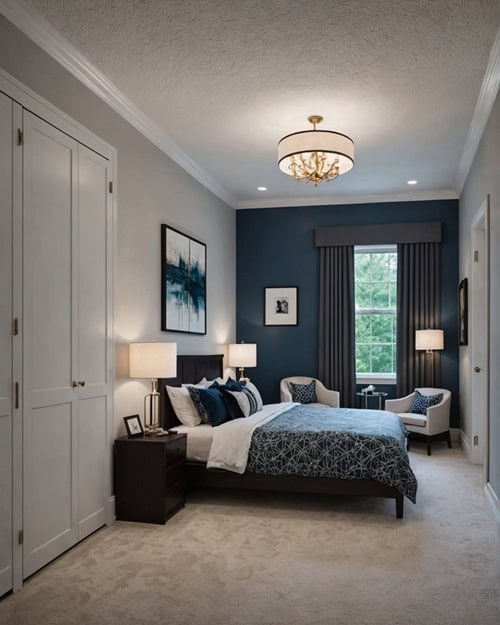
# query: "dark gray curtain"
[418,309]
[337,359]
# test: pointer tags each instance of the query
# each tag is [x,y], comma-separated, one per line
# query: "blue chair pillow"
[304,393]
[421,402]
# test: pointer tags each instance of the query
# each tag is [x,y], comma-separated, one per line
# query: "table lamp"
[152,360]
[429,340]
[242,355]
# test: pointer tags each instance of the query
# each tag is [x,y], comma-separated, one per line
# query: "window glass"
[375,278]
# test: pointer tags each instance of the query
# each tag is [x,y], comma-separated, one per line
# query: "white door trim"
[480,424]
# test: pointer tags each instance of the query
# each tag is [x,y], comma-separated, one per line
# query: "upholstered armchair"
[324,395]
[433,424]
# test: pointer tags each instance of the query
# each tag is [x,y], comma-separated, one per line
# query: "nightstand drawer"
[175,473]
[174,452]
[175,497]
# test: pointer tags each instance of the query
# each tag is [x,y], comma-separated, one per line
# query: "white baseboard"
[465,444]
[493,502]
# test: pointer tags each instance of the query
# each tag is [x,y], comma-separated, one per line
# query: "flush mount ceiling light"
[315,155]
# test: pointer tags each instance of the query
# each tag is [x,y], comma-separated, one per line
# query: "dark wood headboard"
[190,370]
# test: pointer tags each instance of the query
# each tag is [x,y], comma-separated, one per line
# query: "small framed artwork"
[463,313]
[281,306]
[134,426]
[183,282]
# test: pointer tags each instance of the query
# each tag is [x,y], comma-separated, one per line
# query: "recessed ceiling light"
[261,188]
[412,181]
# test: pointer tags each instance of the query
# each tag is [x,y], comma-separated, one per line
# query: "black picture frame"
[281,306]
[183,282]
[134,426]
[463,316]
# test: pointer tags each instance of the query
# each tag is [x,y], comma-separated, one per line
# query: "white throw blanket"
[231,441]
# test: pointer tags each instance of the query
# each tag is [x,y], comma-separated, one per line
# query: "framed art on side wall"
[183,282]
[462,313]
[281,306]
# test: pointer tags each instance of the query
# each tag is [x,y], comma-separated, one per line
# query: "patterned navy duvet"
[334,442]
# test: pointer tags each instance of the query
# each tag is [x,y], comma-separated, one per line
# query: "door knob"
[477,369]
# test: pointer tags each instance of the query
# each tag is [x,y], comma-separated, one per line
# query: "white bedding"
[231,440]
[226,446]
[199,441]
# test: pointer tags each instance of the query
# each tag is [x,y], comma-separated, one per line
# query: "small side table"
[381,400]
[150,477]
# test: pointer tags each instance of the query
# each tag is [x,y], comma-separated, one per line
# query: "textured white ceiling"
[226,79]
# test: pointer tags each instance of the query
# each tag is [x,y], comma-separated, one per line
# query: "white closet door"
[94,280]
[49,359]
[5,344]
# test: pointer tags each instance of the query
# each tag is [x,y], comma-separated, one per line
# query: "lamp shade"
[242,355]
[429,339]
[153,360]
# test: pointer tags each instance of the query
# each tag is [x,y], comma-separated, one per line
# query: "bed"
[260,474]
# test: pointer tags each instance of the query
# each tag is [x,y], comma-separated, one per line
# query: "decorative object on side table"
[281,306]
[430,341]
[149,477]
[153,360]
[364,397]
[242,355]
[368,390]
[134,426]
[183,282]
[463,321]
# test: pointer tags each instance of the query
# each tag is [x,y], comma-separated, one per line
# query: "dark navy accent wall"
[275,247]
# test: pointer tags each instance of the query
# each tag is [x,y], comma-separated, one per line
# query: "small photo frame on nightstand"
[134,426]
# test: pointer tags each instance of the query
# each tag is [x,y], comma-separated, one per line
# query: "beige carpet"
[273,559]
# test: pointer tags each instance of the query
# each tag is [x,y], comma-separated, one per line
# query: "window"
[375,276]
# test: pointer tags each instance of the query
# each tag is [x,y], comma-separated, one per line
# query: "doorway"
[479,308]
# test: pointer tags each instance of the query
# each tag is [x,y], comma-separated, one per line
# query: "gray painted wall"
[152,189]
[484,179]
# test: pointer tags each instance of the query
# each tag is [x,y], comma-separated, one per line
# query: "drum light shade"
[153,360]
[429,340]
[243,355]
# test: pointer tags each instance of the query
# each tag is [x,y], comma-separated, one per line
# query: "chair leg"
[408,443]
[429,439]
[448,438]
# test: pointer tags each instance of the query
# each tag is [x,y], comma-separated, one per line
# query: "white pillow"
[253,389]
[183,406]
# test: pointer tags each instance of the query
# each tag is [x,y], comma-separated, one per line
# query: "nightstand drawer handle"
[81,382]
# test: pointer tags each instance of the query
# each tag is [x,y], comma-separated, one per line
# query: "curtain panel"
[337,355]
[418,309]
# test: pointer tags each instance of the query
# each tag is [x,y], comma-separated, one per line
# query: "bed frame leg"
[399,506]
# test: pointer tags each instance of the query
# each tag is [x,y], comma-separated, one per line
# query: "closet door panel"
[49,358]
[48,522]
[91,465]
[93,343]
[92,268]
[5,343]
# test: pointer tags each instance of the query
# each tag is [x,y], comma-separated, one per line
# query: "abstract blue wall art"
[183,284]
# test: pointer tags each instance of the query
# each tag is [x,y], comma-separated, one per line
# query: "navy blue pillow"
[421,402]
[212,401]
[229,385]
[233,408]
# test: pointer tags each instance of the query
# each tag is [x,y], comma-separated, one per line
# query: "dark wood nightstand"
[150,477]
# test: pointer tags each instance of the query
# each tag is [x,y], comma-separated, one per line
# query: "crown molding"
[335,200]
[484,105]
[34,26]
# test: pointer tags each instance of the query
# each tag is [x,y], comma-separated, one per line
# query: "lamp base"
[152,410]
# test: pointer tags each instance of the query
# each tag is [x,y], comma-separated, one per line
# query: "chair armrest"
[402,404]
[285,394]
[328,397]
[438,417]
